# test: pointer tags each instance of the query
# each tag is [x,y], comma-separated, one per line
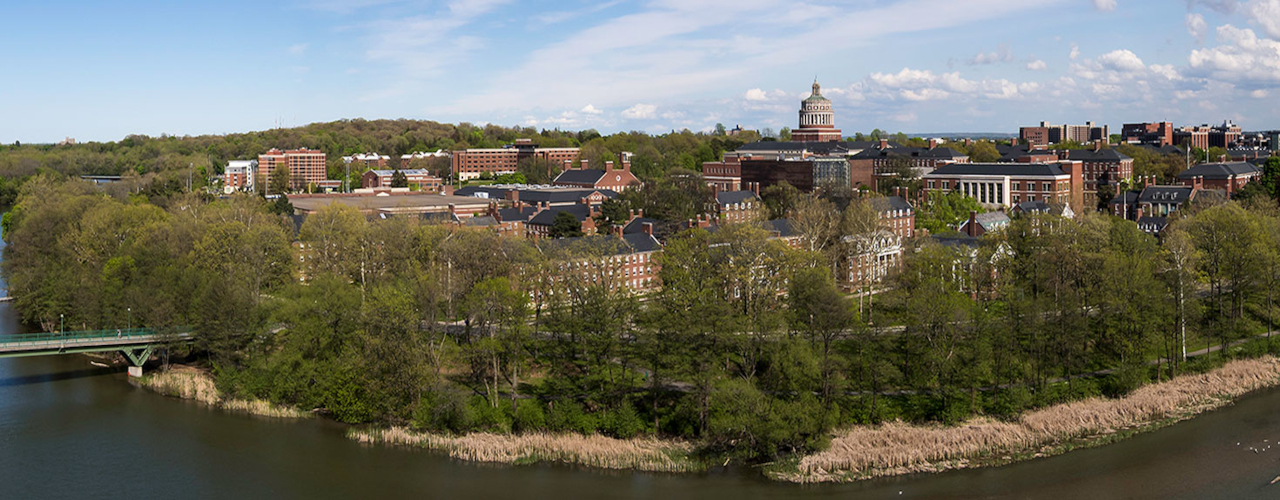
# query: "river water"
[70,430]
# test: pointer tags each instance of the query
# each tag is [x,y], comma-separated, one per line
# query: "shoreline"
[185,382]
[896,448]
[856,453]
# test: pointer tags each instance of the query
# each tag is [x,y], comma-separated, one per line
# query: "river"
[70,430]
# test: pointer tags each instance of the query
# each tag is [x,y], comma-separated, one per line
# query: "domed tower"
[817,121]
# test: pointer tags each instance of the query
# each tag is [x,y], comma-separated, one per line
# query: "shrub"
[491,418]
[445,410]
[566,415]
[622,422]
[529,416]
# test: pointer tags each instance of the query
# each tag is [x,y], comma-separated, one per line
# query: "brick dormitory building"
[306,167]
[996,185]
[471,163]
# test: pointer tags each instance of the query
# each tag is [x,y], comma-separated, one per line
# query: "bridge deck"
[33,344]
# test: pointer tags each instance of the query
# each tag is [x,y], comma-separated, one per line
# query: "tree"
[282,206]
[399,180]
[720,129]
[784,134]
[780,199]
[280,180]
[818,310]
[983,152]
[565,225]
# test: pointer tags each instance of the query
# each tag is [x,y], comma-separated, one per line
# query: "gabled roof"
[637,225]
[890,203]
[522,214]
[1037,206]
[1153,224]
[1220,171]
[1126,198]
[438,218]
[580,176]
[1099,155]
[480,221]
[1165,194]
[604,245]
[531,194]
[412,171]
[1011,169]
[732,197]
[547,217]
[781,227]
[990,220]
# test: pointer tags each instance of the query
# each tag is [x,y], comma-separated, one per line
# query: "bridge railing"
[83,335]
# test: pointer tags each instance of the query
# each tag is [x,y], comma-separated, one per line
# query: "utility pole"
[190,168]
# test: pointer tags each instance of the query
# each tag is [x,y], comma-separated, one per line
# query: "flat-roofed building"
[238,176]
[306,167]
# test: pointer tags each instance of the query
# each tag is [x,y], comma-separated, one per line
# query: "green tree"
[280,181]
[565,225]
[399,180]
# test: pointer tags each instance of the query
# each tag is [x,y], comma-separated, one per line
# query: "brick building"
[368,160]
[420,179]
[306,167]
[1227,177]
[725,174]
[896,215]
[817,120]
[1152,134]
[1205,136]
[613,179]
[470,163]
[1046,134]
[238,176]
[613,260]
[997,185]
[737,206]
[1100,167]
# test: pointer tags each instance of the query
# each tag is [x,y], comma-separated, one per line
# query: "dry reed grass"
[898,448]
[645,454]
[190,383]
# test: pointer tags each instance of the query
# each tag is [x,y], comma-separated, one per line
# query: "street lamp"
[130,317]
[61,322]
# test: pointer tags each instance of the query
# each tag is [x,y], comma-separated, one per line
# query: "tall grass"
[898,448]
[189,383]
[646,454]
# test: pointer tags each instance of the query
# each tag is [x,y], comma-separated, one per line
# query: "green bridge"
[136,343]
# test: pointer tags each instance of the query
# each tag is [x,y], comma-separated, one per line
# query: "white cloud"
[1242,57]
[1259,94]
[1001,55]
[297,49]
[1266,15]
[1037,65]
[1196,27]
[1075,52]
[640,111]
[591,110]
[1122,60]
[924,85]
[1219,6]
[1104,5]
[756,95]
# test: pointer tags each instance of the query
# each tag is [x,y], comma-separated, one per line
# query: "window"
[1046,187]
[946,184]
[931,186]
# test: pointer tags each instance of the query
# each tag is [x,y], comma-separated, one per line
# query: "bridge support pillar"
[137,359]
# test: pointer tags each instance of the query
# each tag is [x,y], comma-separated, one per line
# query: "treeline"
[750,347]
[170,161]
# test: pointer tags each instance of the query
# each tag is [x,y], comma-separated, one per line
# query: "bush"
[566,415]
[1124,380]
[491,418]
[622,422]
[445,410]
[529,416]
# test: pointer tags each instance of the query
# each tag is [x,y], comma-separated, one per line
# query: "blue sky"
[102,70]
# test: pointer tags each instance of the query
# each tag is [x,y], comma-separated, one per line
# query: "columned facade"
[817,121]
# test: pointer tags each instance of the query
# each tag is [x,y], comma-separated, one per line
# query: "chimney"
[648,228]
[608,166]
[568,165]
[755,188]
[715,190]
[1097,146]
[968,142]
[884,143]
[972,227]
[583,201]
[933,143]
[639,212]
[513,195]
[626,162]
[584,164]
[1138,214]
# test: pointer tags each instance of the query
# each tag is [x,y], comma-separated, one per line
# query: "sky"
[99,71]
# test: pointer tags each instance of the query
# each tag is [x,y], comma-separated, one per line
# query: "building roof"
[869,144]
[411,171]
[1099,155]
[781,227]
[605,245]
[480,221]
[1166,194]
[580,176]
[991,220]
[637,225]
[534,194]
[1010,169]
[1152,224]
[732,197]
[522,214]
[1126,198]
[547,217]
[1220,171]
[957,240]
[890,203]
[938,152]
[815,147]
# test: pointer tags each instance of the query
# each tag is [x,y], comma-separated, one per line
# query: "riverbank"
[644,454]
[191,383]
[897,448]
